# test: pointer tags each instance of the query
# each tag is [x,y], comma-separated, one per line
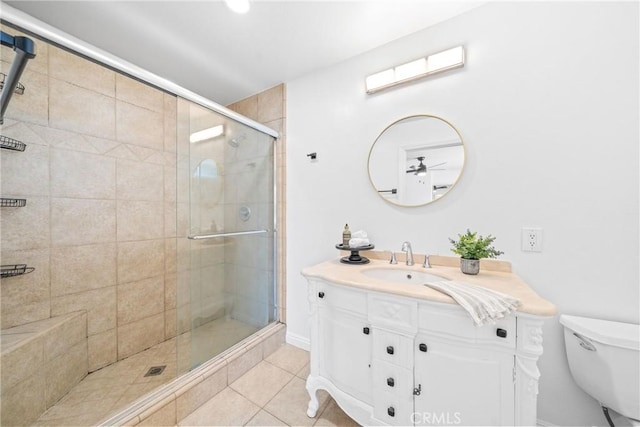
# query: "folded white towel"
[483,305]
[360,234]
[356,242]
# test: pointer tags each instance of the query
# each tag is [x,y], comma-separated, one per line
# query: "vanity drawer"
[392,348]
[341,297]
[394,313]
[392,379]
[392,409]
[455,323]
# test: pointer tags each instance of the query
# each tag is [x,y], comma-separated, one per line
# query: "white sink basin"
[402,275]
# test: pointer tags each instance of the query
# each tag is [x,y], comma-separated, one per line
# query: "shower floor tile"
[114,387]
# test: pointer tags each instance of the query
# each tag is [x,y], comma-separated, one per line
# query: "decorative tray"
[355,257]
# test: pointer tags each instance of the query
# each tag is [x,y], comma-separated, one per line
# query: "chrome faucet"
[406,247]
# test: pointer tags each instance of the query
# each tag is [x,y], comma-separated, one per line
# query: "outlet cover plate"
[531,239]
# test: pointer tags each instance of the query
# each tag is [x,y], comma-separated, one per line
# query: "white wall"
[547,106]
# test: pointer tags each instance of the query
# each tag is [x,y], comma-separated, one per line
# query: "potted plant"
[472,247]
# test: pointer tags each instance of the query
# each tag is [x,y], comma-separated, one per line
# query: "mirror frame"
[464,160]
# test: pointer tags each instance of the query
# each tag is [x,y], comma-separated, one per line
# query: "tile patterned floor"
[271,394]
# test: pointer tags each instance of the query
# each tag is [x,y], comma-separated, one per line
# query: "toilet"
[604,359]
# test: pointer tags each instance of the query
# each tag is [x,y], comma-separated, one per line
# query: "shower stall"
[147,222]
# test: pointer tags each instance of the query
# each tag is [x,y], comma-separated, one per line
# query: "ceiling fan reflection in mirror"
[421,168]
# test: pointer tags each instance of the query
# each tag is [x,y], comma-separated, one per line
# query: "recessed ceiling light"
[238,6]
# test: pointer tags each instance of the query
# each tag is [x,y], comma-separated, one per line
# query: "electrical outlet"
[531,239]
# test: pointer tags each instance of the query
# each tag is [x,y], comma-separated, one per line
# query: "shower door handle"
[231,234]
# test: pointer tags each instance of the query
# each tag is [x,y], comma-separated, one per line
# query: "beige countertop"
[496,276]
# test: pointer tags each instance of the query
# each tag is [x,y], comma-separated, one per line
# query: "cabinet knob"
[391,411]
[423,348]
[366,330]
[390,349]
[501,333]
[321,294]
[391,382]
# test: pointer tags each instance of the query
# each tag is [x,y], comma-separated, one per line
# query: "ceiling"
[210,50]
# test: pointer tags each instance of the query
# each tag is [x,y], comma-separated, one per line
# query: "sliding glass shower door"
[226,276]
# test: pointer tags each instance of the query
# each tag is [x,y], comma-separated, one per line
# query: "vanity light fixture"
[205,134]
[238,6]
[423,67]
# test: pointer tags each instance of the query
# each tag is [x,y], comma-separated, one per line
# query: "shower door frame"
[30,25]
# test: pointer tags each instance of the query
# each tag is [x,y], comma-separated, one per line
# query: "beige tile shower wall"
[269,108]
[99,176]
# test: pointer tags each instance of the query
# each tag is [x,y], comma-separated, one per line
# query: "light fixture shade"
[446,60]
[423,67]
[410,69]
[205,134]
[380,79]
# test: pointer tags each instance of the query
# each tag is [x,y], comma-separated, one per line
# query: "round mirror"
[416,160]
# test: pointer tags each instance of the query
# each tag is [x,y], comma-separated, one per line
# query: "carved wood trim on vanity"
[529,347]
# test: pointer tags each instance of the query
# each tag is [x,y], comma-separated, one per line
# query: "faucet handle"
[426,263]
[393,258]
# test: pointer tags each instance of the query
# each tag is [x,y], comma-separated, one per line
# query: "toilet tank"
[604,359]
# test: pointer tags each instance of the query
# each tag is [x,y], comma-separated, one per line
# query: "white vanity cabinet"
[397,360]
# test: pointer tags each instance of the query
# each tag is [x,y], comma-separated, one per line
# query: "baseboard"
[298,341]
[543,423]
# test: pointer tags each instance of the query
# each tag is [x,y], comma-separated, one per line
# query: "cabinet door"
[462,385]
[345,351]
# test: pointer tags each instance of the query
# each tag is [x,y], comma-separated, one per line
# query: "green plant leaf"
[471,245]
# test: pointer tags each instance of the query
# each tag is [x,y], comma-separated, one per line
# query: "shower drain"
[155,370]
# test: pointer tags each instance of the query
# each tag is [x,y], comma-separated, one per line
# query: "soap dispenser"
[346,236]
